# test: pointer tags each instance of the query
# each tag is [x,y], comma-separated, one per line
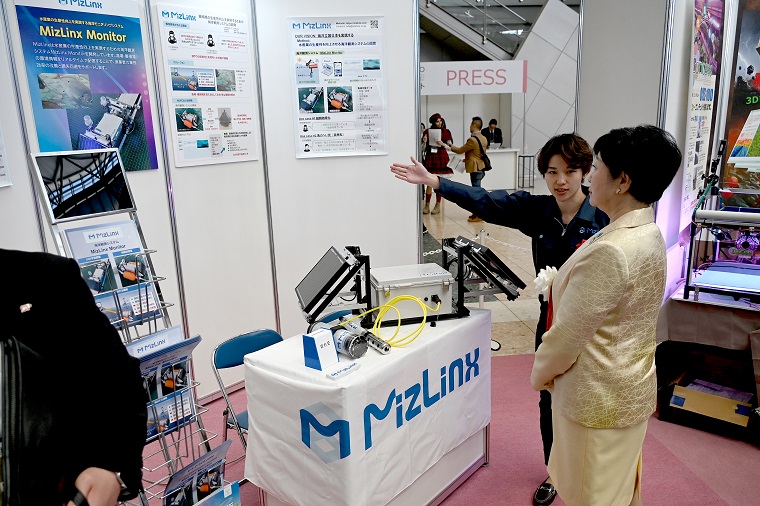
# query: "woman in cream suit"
[598,353]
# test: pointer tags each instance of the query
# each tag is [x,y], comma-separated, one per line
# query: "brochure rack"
[84,187]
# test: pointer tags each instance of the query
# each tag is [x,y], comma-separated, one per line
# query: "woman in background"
[597,355]
[436,160]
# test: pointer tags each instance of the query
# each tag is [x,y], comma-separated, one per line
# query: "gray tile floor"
[514,322]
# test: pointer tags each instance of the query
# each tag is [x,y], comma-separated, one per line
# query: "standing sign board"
[86,72]
[707,46]
[339,93]
[209,81]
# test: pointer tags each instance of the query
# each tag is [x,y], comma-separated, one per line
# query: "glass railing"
[494,21]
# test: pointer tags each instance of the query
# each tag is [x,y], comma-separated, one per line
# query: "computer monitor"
[82,184]
[317,283]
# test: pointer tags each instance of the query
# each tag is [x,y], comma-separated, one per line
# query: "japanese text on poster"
[706,50]
[210,79]
[339,92]
[86,73]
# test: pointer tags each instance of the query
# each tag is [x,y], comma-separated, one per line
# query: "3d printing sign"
[86,71]
[209,81]
[339,96]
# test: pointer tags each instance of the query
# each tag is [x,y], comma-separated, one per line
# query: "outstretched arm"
[415,173]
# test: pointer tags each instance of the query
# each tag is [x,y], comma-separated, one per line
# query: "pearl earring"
[617,191]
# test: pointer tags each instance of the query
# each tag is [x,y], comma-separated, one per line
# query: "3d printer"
[724,252]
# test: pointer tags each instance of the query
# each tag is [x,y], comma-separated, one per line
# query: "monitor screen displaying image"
[82,184]
[322,277]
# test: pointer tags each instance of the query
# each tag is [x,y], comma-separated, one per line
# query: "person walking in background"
[492,134]
[557,225]
[473,160]
[597,355]
[436,159]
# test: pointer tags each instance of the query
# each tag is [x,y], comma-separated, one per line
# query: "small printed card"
[319,350]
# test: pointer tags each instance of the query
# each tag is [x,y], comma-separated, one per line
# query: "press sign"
[473,77]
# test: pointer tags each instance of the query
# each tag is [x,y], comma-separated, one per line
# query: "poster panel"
[208,69]
[339,94]
[707,37]
[86,71]
[742,168]
[5,177]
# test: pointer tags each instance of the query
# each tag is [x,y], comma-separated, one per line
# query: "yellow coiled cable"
[400,341]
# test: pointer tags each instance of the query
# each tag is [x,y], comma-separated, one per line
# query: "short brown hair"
[573,149]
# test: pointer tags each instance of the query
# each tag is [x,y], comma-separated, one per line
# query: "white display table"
[405,428]
[503,176]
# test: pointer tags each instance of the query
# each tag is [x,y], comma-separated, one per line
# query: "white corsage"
[543,281]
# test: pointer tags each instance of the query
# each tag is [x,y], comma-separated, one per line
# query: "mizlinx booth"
[399,424]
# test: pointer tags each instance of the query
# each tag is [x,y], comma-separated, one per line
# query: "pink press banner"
[707,37]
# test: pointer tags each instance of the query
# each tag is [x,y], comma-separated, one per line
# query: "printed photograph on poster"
[707,44]
[339,83]
[85,71]
[311,100]
[743,160]
[209,78]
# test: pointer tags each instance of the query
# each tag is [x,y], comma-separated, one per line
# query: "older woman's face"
[602,187]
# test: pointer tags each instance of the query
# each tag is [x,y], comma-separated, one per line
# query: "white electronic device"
[430,282]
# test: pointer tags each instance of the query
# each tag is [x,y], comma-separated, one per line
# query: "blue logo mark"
[332,441]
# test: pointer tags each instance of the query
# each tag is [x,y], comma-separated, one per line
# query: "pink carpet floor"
[682,466]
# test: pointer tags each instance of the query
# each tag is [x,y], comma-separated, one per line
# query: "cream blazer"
[598,356]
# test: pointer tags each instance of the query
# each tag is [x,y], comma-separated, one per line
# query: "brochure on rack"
[199,479]
[229,495]
[166,379]
[112,261]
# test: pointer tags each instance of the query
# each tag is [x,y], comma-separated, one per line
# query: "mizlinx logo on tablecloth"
[333,442]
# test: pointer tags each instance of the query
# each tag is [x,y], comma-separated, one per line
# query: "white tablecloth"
[383,425]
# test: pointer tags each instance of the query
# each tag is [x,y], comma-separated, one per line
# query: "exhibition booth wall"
[234,239]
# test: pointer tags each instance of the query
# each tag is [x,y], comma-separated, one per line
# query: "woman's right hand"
[415,173]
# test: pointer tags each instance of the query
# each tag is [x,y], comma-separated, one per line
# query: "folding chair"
[230,353]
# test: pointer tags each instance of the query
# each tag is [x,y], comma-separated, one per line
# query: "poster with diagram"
[207,60]
[85,69]
[112,262]
[339,94]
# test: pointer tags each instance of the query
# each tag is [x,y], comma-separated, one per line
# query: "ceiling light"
[512,32]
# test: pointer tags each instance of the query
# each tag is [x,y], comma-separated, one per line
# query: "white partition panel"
[221,225]
[337,201]
[621,60]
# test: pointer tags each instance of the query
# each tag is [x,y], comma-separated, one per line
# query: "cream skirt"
[599,467]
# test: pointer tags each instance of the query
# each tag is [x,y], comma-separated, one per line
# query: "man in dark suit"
[492,133]
[80,414]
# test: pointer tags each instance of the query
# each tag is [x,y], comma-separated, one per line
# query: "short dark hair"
[573,149]
[477,121]
[647,154]
[493,122]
